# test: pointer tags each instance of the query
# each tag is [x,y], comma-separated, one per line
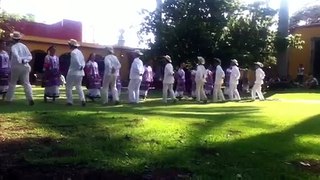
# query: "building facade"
[309,56]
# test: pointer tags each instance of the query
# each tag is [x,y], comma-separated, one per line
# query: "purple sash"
[193,80]
[92,78]
[209,84]
[147,79]
[181,81]
[119,85]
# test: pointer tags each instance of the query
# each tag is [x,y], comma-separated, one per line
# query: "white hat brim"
[15,37]
[201,60]
[72,44]
[235,62]
[259,64]
[168,58]
[138,52]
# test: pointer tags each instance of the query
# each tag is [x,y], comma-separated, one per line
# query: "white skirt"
[4,89]
[94,93]
[52,91]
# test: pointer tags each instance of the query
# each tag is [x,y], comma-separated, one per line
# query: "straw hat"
[138,52]
[73,42]
[259,64]
[235,62]
[168,58]
[110,49]
[217,60]
[201,60]
[16,35]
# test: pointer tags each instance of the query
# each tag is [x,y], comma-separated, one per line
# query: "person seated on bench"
[4,69]
[311,82]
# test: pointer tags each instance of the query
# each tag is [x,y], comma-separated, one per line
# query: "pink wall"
[64,30]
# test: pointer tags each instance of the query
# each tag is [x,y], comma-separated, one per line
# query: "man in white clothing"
[234,81]
[201,75]
[20,68]
[75,73]
[256,89]
[111,71]
[219,78]
[168,81]
[136,72]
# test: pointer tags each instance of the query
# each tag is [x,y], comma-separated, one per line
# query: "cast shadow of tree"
[257,157]
[94,139]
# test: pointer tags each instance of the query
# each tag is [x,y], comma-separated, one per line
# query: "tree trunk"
[283,31]
[159,3]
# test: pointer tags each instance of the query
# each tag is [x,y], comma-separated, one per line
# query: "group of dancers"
[15,68]
[212,81]
[204,81]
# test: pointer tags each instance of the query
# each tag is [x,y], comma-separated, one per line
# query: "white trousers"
[233,92]
[217,93]
[134,90]
[4,89]
[20,73]
[167,87]
[200,92]
[109,81]
[256,89]
[74,80]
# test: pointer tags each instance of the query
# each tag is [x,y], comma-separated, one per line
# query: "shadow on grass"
[95,138]
[92,137]
[270,154]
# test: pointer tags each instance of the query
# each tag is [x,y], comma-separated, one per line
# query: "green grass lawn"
[275,139]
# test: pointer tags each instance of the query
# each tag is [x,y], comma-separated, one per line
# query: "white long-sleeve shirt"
[235,75]
[201,74]
[168,74]
[111,61]
[220,75]
[137,69]
[77,63]
[259,76]
[20,55]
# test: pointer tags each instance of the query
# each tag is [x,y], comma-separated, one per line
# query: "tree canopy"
[226,29]
[248,35]
[6,17]
[306,16]
[187,28]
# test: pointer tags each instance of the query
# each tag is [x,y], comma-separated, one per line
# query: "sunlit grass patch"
[259,140]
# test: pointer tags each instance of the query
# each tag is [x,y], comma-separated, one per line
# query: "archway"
[64,62]
[100,61]
[37,66]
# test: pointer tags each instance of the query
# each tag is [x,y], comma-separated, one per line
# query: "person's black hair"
[91,55]
[16,40]
[51,47]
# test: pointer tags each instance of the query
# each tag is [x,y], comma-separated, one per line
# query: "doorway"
[316,59]
[64,63]
[37,66]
